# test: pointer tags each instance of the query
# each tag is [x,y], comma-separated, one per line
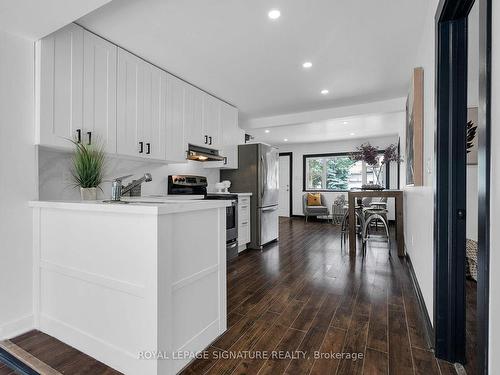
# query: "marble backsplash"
[54,175]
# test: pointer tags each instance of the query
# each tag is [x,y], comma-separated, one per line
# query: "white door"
[99,92]
[284,181]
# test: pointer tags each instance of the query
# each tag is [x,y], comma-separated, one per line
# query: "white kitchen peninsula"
[131,284]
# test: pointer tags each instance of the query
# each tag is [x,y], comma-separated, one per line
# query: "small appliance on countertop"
[186,185]
[223,186]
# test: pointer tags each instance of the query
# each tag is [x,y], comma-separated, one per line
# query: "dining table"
[387,193]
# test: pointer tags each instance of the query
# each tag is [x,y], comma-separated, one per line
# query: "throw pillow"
[314,199]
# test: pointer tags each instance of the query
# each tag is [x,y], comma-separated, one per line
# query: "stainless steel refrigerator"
[258,173]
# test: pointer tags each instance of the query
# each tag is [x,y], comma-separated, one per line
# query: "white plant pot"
[88,194]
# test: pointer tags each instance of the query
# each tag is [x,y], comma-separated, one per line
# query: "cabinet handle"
[225,160]
[90,137]
[210,142]
[244,223]
[79,135]
[206,139]
[141,147]
[148,145]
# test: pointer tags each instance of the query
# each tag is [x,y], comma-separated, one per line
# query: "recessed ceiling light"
[274,14]
[307,65]
[353,134]
[345,122]
[286,139]
[324,91]
[267,130]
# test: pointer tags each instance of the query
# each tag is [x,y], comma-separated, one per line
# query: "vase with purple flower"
[376,160]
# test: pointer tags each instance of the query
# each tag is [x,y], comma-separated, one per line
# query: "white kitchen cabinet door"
[193,116]
[152,108]
[176,146]
[232,136]
[130,83]
[243,222]
[60,87]
[99,92]
[212,120]
[141,101]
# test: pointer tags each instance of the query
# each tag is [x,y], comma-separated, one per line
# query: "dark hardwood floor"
[305,295]
[292,307]
[4,370]
[58,356]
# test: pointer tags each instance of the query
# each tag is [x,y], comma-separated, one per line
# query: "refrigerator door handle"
[263,176]
[272,208]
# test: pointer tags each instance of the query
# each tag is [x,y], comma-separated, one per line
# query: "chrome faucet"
[117,189]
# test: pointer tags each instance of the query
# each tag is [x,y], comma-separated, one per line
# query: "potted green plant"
[87,168]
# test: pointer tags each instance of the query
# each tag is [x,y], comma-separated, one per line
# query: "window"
[334,172]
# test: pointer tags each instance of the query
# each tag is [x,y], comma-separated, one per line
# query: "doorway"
[285,202]
[450,185]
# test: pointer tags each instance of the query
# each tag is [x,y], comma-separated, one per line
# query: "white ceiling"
[367,126]
[361,51]
[34,19]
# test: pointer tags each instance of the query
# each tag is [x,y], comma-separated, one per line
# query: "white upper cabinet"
[76,85]
[202,122]
[90,90]
[212,121]
[99,91]
[59,87]
[155,96]
[193,116]
[175,143]
[232,136]
[129,120]
[141,101]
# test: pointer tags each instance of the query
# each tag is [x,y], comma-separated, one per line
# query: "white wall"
[17,184]
[300,149]
[472,200]
[419,200]
[494,344]
[472,101]
[55,178]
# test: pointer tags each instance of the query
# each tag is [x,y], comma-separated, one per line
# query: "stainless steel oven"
[197,185]
[231,222]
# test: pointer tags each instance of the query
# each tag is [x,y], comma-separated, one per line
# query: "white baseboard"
[16,327]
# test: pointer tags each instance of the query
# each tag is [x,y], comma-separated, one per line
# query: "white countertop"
[230,192]
[139,205]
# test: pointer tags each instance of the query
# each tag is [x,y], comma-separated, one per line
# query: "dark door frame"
[290,176]
[450,190]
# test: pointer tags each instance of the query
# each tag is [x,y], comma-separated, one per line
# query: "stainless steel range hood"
[203,154]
